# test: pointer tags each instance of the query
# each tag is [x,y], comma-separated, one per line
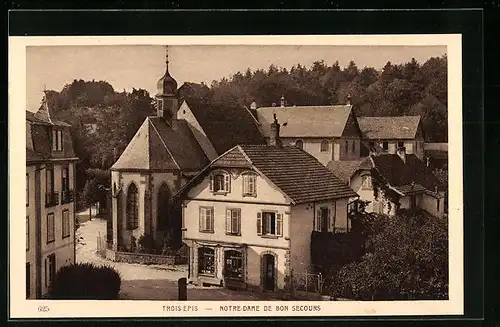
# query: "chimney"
[282,101]
[349,100]
[402,153]
[253,105]
[275,133]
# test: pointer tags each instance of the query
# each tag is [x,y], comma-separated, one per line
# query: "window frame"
[65,222]
[324,146]
[51,228]
[353,147]
[321,218]
[232,257]
[301,144]
[230,219]
[202,253]
[132,221]
[262,226]
[246,177]
[385,146]
[28,280]
[364,185]
[226,182]
[203,218]
[400,146]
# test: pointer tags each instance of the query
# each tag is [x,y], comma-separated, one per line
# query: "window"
[207,219]
[437,205]
[220,182]
[250,184]
[233,267]
[65,179]
[132,207]
[206,261]
[346,147]
[323,219]
[57,142]
[28,233]
[28,280]
[366,183]
[50,228]
[233,221]
[324,146]
[269,223]
[353,147]
[385,146]
[50,180]
[50,269]
[27,189]
[299,144]
[65,224]
[401,144]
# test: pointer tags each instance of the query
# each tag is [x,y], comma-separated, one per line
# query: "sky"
[140,66]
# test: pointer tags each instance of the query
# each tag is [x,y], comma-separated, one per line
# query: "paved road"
[143,282]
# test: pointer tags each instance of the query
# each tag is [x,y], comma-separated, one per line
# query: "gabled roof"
[397,127]
[346,169]
[306,121]
[296,173]
[401,175]
[225,126]
[159,146]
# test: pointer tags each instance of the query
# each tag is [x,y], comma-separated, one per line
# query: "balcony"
[67,196]
[51,199]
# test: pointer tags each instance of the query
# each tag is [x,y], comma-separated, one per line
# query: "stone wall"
[149,259]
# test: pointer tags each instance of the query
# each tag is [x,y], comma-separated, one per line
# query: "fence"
[307,283]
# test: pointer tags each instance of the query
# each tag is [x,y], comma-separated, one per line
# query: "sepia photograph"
[293,173]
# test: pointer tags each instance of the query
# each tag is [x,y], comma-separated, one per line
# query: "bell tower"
[167,102]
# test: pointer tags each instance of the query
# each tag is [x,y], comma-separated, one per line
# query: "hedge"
[86,281]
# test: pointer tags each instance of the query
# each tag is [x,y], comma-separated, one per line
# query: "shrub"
[86,281]
[146,244]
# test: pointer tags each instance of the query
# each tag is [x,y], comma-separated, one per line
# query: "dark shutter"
[259,223]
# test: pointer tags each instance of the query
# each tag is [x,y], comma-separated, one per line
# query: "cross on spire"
[166,55]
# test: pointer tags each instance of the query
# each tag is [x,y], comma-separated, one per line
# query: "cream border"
[21,308]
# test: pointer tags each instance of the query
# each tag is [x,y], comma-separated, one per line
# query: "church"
[168,149]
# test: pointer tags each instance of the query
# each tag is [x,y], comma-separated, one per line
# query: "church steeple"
[166,98]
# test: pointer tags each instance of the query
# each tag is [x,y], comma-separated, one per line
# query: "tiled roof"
[159,146]
[398,127]
[306,121]
[225,126]
[399,174]
[295,172]
[345,169]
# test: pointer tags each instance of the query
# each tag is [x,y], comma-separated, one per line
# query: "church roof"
[226,126]
[159,146]
[306,121]
[397,127]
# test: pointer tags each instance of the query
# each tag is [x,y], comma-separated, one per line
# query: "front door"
[269,276]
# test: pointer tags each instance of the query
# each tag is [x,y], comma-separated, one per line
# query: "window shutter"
[211,220]
[211,182]
[333,215]
[279,224]
[245,184]
[201,227]
[238,226]
[228,221]
[226,182]
[259,223]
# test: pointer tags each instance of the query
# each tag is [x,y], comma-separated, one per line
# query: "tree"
[90,194]
[408,260]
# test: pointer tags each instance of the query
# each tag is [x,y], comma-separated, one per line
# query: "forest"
[410,88]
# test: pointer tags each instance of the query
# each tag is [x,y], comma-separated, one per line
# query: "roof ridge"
[163,142]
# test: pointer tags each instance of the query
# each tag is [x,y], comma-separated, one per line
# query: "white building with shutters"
[248,216]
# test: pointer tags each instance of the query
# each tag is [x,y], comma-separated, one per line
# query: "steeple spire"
[166,55]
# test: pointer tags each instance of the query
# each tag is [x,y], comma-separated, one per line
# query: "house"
[248,216]
[167,151]
[391,133]
[326,132]
[436,154]
[50,199]
[394,181]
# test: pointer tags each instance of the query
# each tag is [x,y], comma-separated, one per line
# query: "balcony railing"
[67,196]
[51,199]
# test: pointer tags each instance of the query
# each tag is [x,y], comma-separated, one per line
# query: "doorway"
[268,272]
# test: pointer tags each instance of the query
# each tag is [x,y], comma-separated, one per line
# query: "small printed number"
[43,308]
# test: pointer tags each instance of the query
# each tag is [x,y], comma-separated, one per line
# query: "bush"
[407,259]
[146,244]
[86,281]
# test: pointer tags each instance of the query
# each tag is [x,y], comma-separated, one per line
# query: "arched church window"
[132,207]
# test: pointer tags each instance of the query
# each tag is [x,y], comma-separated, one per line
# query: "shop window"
[206,261]
[233,264]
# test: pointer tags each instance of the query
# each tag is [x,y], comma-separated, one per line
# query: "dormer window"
[249,184]
[57,144]
[324,146]
[220,182]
